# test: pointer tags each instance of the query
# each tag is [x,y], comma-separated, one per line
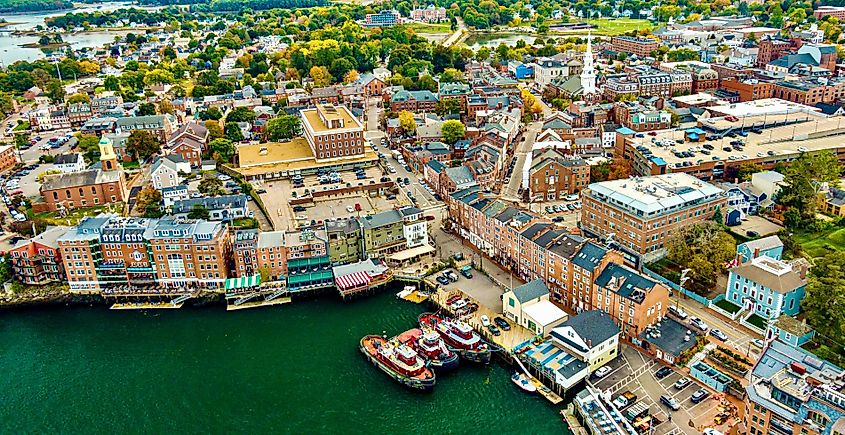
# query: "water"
[291,369]
[10,46]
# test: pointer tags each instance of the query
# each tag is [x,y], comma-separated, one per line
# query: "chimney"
[756,252]
[802,271]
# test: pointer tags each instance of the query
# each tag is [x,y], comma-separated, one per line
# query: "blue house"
[743,200]
[790,331]
[710,376]
[767,287]
[770,246]
[520,70]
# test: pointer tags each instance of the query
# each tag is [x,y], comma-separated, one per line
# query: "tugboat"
[430,346]
[399,361]
[458,336]
[523,382]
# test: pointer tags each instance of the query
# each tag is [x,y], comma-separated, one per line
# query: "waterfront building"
[598,416]
[344,241]
[591,335]
[260,252]
[308,263]
[641,214]
[111,251]
[392,231]
[385,18]
[793,392]
[768,287]
[37,261]
[528,306]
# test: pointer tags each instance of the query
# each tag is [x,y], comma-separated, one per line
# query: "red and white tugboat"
[399,361]
[458,336]
[430,346]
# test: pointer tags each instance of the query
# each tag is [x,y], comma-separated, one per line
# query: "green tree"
[149,202]
[448,106]
[703,248]
[165,106]
[241,114]
[233,132]
[222,149]
[141,144]
[212,113]
[452,131]
[214,129]
[804,179]
[146,109]
[284,127]
[199,212]
[746,170]
[55,90]
[79,98]
[89,146]
[111,83]
[211,186]
[825,297]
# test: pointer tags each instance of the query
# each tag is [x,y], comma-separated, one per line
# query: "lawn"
[75,216]
[727,306]
[22,126]
[820,244]
[134,164]
[430,28]
[618,26]
[757,321]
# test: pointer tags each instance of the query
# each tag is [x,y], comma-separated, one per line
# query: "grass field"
[820,244]
[727,306]
[430,28]
[619,26]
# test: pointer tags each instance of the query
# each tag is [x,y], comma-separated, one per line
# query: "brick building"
[38,261]
[553,175]
[641,47]
[809,92]
[749,89]
[332,132]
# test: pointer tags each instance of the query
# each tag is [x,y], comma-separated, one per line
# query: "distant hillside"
[235,5]
[7,6]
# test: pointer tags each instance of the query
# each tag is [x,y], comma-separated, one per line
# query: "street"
[738,337]
[522,149]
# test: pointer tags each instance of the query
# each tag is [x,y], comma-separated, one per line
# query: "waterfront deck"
[146,306]
[258,304]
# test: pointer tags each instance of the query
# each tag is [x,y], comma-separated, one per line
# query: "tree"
[407,122]
[321,76]
[111,83]
[620,168]
[199,212]
[79,98]
[452,131]
[747,169]
[214,129]
[149,202]
[89,145]
[211,113]
[241,114]
[284,127]
[141,144]
[825,297]
[447,106]
[146,109]
[55,90]
[703,247]
[210,186]
[165,106]
[350,76]
[452,75]
[805,178]
[222,149]
[233,132]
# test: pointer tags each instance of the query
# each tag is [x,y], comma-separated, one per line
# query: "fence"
[698,298]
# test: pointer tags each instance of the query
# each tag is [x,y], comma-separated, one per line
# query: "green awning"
[310,277]
[243,282]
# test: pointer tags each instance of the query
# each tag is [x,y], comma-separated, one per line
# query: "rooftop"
[655,195]
[771,273]
[530,291]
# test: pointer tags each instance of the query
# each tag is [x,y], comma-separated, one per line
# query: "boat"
[459,336]
[523,382]
[399,361]
[429,345]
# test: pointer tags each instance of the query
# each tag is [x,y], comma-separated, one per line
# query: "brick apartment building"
[38,261]
[749,89]
[769,49]
[268,252]
[632,299]
[641,47]
[333,132]
[553,175]
[107,251]
[641,214]
[808,92]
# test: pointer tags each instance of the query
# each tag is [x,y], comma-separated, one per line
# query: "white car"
[572,197]
[602,372]
[802,149]
[485,321]
[350,209]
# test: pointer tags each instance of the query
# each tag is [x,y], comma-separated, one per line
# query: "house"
[528,306]
[768,182]
[160,126]
[165,171]
[743,200]
[591,335]
[220,208]
[169,195]
[634,299]
[189,141]
[790,331]
[767,287]
[834,202]
[520,70]
[67,163]
[38,260]
[668,340]
[770,246]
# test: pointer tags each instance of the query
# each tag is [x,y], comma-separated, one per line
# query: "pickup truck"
[624,400]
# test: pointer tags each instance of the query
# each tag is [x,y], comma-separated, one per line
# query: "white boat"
[522,381]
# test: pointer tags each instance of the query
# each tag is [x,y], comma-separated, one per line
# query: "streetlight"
[682,281]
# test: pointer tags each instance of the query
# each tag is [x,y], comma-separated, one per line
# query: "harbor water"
[294,368]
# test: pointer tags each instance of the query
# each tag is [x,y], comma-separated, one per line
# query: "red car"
[452,300]
[652,133]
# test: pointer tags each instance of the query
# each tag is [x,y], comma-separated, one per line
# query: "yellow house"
[592,336]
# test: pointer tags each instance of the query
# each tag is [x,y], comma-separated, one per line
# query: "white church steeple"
[588,74]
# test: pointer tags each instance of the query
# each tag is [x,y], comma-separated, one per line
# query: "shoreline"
[44,47]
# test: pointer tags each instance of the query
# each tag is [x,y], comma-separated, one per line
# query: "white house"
[67,163]
[414,228]
[169,195]
[592,336]
[165,171]
[528,306]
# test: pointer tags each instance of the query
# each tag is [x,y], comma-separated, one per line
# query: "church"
[88,188]
[582,86]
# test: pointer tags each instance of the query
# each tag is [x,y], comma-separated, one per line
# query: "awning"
[243,282]
[411,253]
[353,280]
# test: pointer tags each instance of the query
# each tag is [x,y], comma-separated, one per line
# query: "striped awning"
[243,282]
[353,280]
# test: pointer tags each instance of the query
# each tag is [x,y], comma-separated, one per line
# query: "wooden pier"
[146,306]
[258,304]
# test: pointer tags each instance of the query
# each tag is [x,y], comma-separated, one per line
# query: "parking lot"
[633,372]
[480,287]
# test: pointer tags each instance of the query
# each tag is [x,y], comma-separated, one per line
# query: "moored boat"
[459,336]
[429,345]
[523,382]
[399,361]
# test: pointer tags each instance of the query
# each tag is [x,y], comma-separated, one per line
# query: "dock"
[411,294]
[257,304]
[146,306]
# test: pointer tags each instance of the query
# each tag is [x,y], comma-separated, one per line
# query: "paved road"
[511,189]
[738,337]
[457,35]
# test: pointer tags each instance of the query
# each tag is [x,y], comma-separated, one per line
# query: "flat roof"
[316,125]
[765,106]
[656,194]
[544,313]
[287,156]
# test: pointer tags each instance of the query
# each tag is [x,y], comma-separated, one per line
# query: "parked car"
[624,400]
[460,303]
[298,208]
[485,321]
[494,330]
[502,323]
[699,395]
[466,273]
[442,280]
[451,275]
[682,383]
[678,312]
[602,372]
[663,372]
[698,323]
[350,209]
[670,402]
[719,334]
[452,300]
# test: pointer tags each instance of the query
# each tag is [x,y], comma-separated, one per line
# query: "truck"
[625,400]
[636,410]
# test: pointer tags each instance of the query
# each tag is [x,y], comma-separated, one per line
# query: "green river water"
[294,368]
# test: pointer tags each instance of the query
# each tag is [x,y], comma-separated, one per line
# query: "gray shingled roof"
[530,290]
